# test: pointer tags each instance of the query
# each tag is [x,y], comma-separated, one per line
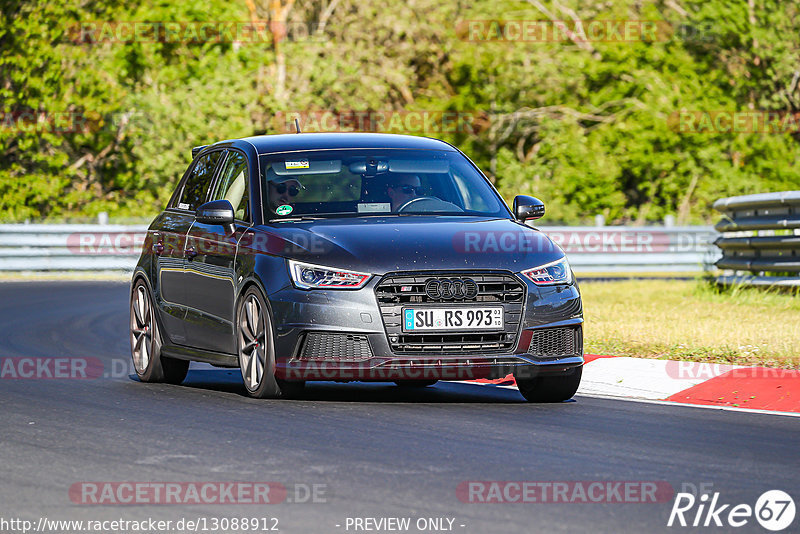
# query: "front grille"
[556,342]
[408,289]
[339,347]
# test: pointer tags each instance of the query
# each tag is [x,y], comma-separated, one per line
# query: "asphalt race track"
[374,451]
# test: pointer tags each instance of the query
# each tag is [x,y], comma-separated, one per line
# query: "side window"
[232,185]
[195,191]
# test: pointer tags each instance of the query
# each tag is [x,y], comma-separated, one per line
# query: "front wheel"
[149,364]
[256,347]
[291,389]
[551,388]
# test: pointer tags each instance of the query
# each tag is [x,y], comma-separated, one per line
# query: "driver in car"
[402,188]
[282,191]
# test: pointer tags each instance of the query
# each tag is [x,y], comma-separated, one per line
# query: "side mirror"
[526,207]
[215,212]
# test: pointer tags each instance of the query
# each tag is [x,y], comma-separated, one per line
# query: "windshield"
[364,182]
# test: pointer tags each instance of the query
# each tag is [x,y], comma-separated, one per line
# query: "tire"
[256,346]
[415,383]
[145,338]
[291,389]
[551,388]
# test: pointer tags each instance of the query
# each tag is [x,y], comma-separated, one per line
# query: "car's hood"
[408,243]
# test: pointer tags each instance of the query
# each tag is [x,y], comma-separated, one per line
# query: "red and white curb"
[730,387]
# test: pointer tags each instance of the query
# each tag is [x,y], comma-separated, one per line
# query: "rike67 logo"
[774,510]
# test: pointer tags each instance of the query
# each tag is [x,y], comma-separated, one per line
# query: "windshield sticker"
[297,164]
[285,209]
[183,206]
[374,207]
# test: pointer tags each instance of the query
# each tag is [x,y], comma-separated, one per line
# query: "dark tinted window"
[195,191]
[369,182]
[232,184]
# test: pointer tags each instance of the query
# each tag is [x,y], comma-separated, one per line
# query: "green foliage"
[590,127]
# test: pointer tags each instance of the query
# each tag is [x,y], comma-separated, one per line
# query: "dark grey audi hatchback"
[346,257]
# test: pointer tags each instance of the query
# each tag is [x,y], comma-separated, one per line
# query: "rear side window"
[195,192]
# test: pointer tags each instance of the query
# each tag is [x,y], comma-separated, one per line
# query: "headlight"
[557,272]
[307,276]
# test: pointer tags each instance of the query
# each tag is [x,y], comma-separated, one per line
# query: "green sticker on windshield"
[286,209]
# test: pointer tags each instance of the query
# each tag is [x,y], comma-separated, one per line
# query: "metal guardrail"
[70,247]
[760,239]
[103,247]
[630,249]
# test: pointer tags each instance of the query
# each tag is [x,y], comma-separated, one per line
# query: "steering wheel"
[429,204]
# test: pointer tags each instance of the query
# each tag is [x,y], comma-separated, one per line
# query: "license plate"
[417,319]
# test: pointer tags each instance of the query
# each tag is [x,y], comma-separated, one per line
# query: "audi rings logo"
[451,289]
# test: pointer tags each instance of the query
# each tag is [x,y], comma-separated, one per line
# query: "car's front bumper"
[356,315]
[430,368]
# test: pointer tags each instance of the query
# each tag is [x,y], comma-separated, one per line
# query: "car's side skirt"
[196,355]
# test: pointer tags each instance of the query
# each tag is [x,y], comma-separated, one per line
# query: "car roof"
[265,144]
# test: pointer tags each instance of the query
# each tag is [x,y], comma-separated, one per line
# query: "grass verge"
[695,321]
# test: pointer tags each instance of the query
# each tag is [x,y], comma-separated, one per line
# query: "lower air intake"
[555,342]
[339,347]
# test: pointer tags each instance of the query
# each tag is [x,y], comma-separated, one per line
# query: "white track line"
[642,378]
[705,406]
[650,401]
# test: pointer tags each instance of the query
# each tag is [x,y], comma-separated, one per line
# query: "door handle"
[190,252]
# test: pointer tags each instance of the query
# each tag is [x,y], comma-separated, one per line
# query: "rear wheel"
[415,383]
[256,347]
[149,364]
[551,387]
